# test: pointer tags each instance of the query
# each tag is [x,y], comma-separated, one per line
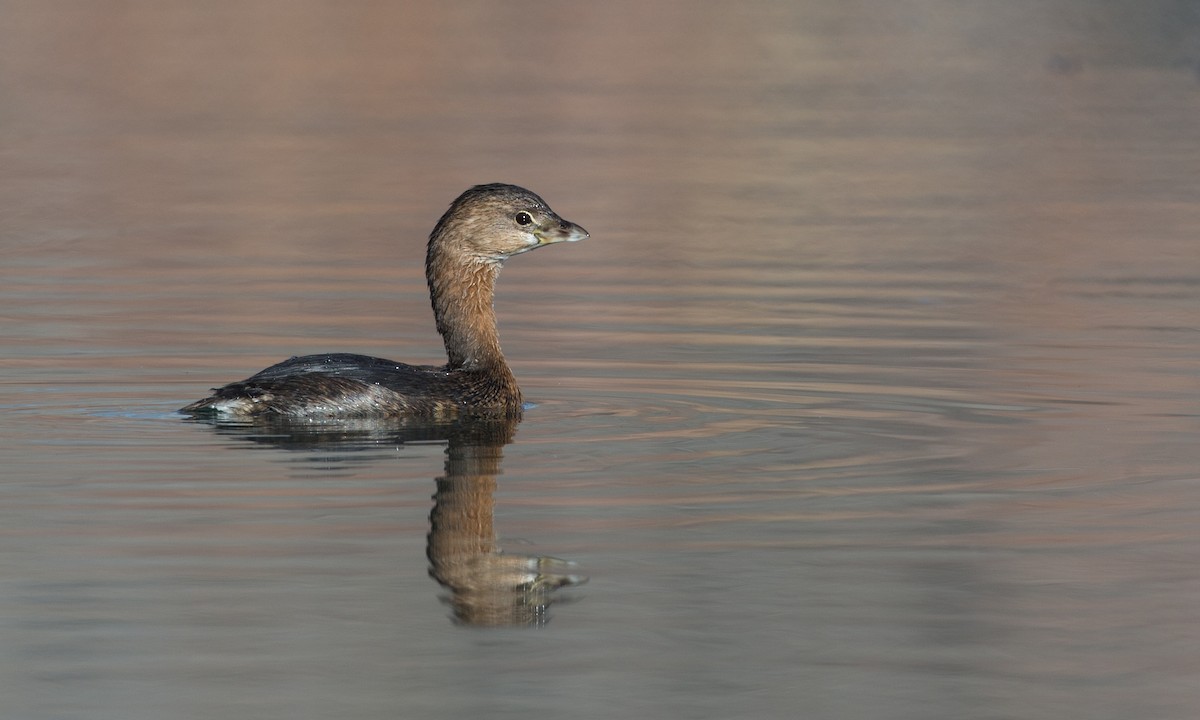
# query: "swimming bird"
[483,227]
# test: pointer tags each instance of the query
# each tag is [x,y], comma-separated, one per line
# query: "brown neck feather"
[462,289]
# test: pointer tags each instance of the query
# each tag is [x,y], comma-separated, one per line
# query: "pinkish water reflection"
[873,394]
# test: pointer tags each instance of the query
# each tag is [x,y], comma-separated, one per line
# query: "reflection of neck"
[461,545]
[462,517]
[462,290]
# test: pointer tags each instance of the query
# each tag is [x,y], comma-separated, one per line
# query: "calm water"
[874,394]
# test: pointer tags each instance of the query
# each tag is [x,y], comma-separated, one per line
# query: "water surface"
[873,394]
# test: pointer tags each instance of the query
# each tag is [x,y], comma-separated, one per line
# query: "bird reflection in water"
[487,586]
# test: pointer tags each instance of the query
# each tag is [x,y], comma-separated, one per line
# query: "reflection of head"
[497,589]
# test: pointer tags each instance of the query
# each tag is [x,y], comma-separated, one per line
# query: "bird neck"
[462,290]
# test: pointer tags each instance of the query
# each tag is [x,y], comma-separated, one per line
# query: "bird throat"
[462,291]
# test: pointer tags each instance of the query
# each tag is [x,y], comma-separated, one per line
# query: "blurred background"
[873,393]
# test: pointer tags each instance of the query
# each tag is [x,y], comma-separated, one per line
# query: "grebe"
[483,227]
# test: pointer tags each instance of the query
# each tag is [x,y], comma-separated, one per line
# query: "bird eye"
[523,218]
